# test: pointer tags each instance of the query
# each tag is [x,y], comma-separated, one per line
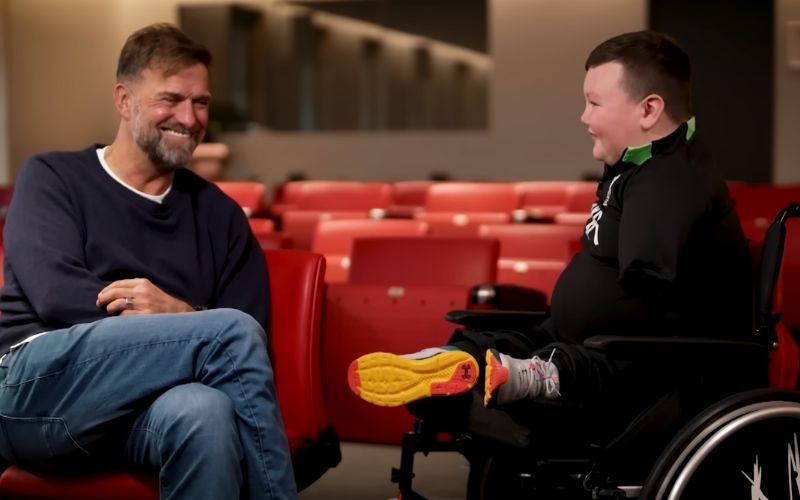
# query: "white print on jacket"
[597,213]
[608,194]
[594,224]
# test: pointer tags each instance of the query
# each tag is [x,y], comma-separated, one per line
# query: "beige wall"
[61,57]
[62,61]
[5,165]
[787,98]
[539,47]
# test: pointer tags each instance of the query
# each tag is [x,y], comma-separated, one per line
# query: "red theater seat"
[334,239]
[364,318]
[299,225]
[408,197]
[249,195]
[333,196]
[762,200]
[296,284]
[572,218]
[343,196]
[313,201]
[261,226]
[533,255]
[757,204]
[543,199]
[460,224]
[398,294]
[458,208]
[472,197]
[424,261]
[580,197]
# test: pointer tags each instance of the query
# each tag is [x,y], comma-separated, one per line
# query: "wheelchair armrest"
[633,348]
[495,320]
[509,297]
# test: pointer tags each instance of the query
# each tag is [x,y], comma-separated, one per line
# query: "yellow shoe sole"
[386,379]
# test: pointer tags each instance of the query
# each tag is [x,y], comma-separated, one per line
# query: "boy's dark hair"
[654,64]
[159,44]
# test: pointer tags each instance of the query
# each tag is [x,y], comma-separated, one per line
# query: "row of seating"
[454,208]
[542,199]
[411,196]
[531,255]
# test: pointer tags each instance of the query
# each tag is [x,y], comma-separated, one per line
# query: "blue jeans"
[189,395]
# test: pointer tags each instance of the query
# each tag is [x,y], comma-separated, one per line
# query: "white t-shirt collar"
[101,156]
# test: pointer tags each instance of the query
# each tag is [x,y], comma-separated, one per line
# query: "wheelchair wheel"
[740,447]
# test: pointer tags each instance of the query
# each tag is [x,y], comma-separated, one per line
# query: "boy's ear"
[652,107]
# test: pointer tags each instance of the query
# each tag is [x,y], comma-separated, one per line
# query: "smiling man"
[663,253]
[136,301]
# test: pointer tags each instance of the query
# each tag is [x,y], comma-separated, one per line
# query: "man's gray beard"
[164,158]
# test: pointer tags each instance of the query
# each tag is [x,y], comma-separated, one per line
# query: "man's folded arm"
[44,248]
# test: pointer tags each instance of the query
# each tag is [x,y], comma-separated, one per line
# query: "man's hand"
[138,296]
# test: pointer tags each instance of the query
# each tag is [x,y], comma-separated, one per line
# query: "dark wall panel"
[731,44]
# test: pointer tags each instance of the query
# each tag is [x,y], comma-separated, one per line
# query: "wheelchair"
[743,445]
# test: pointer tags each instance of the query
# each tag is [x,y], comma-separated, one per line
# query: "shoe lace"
[541,372]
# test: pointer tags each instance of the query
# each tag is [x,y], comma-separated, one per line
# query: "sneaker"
[509,379]
[496,375]
[386,379]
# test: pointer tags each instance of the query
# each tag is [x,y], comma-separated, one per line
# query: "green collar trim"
[640,154]
[690,128]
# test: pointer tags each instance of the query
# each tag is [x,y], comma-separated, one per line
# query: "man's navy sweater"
[71,230]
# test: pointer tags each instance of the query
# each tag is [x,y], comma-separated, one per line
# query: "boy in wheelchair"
[662,254]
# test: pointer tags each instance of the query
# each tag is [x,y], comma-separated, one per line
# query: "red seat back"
[261,226]
[424,261]
[533,241]
[343,195]
[533,255]
[410,193]
[543,199]
[580,196]
[472,197]
[249,195]
[334,239]
[365,318]
[460,224]
[762,200]
[399,291]
[299,225]
[296,282]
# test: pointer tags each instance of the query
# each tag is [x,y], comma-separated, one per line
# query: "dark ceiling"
[458,22]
